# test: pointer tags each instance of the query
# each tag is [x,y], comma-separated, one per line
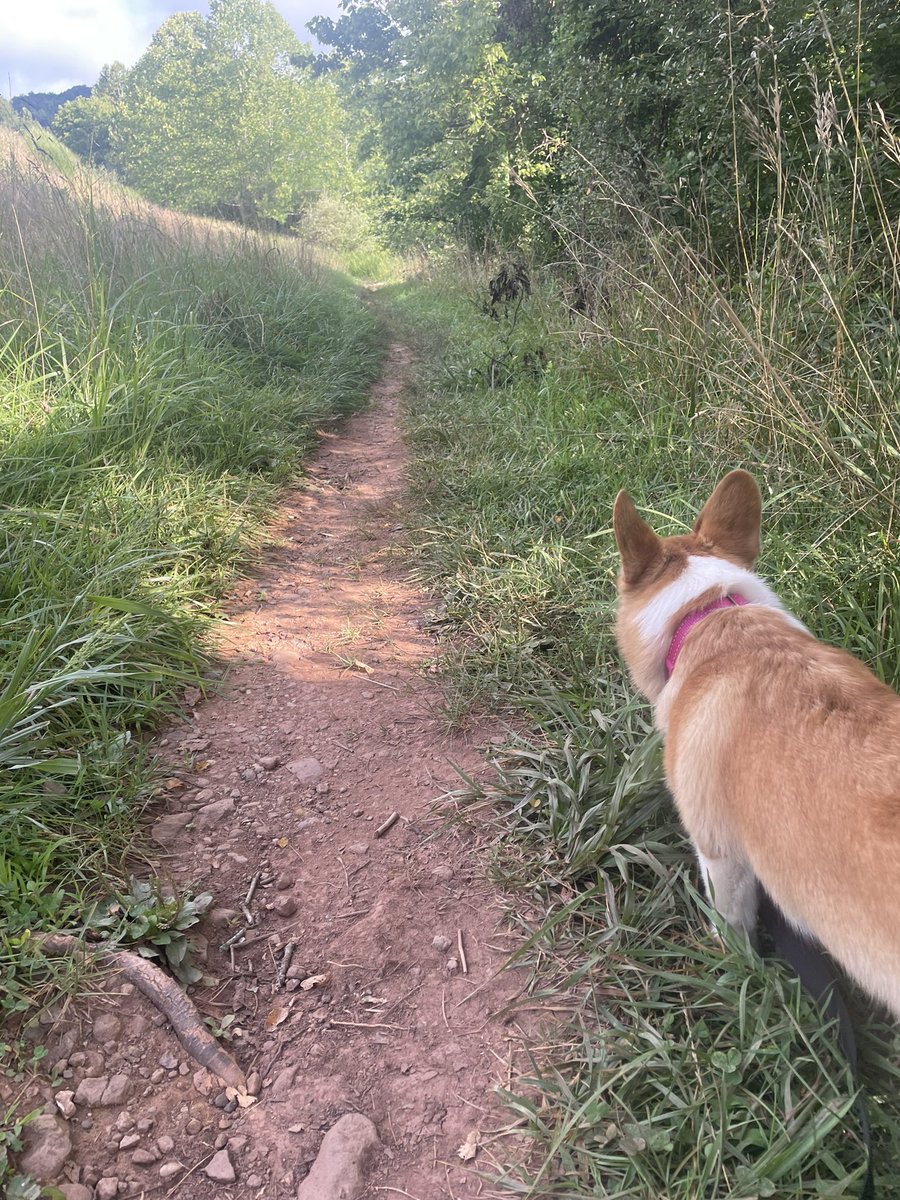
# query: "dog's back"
[783,754]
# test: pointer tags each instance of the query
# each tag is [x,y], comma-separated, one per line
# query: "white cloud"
[49,45]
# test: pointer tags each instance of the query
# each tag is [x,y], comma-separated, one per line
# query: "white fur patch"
[656,621]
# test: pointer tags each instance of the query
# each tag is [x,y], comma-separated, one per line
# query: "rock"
[306,770]
[254,1083]
[284,1081]
[129,1141]
[90,1091]
[107,1188]
[213,814]
[285,906]
[270,762]
[47,1146]
[203,1082]
[284,882]
[345,1154]
[443,873]
[441,943]
[168,1060]
[116,1091]
[64,1102]
[145,1124]
[168,829]
[219,1168]
[221,916]
[193,1127]
[124,1121]
[165,1144]
[255,1181]
[167,1170]
[106,1028]
[144,1158]
[452,965]
[360,848]
[74,1191]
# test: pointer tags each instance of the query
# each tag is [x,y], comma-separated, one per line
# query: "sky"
[49,45]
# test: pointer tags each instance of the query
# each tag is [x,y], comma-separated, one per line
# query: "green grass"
[688,1071]
[160,379]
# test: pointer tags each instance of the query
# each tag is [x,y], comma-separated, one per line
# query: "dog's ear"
[730,519]
[638,544]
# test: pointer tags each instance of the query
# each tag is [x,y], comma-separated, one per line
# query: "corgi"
[782,754]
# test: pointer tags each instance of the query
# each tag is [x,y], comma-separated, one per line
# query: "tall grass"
[690,1071]
[160,378]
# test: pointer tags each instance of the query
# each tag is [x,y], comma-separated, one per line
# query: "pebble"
[64,1102]
[168,1060]
[167,1170]
[145,1124]
[193,1127]
[442,943]
[107,1188]
[306,770]
[443,873]
[165,1144]
[47,1146]
[158,1075]
[270,762]
[285,906]
[254,1083]
[219,1168]
[452,965]
[255,1181]
[145,1157]
[129,1141]
[345,1154]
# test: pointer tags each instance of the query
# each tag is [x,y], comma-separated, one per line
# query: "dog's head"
[663,579]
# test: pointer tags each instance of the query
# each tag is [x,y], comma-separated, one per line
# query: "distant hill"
[43,105]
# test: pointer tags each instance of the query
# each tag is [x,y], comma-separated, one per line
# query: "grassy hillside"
[160,378]
[687,1072]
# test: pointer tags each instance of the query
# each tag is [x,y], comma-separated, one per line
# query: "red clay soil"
[329,722]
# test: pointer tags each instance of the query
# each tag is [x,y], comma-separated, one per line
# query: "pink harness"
[688,623]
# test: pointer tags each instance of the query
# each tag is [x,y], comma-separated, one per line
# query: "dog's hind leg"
[732,889]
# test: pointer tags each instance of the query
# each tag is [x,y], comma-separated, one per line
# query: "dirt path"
[328,723]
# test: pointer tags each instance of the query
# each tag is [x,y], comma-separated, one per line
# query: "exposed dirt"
[329,721]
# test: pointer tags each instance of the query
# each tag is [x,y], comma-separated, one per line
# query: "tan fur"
[783,754]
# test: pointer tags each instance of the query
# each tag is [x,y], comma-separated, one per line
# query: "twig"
[388,824]
[248,915]
[462,953]
[369,1025]
[254,884]
[234,940]
[285,963]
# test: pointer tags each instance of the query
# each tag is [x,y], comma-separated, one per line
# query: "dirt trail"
[329,721]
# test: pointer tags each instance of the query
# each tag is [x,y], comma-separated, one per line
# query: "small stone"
[145,1124]
[344,1156]
[221,1141]
[168,829]
[284,882]
[64,1102]
[106,1027]
[270,762]
[219,1168]
[221,917]
[124,1121]
[254,1083]
[255,1181]
[107,1188]
[359,848]
[306,770]
[285,906]
[165,1144]
[168,1060]
[129,1141]
[193,1127]
[322,789]
[47,1146]
[213,814]
[90,1091]
[116,1091]
[443,873]
[74,1191]
[145,1157]
[158,1075]
[220,1100]
[452,965]
[442,943]
[167,1170]
[203,1082]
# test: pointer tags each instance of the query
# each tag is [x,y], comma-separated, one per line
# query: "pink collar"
[688,623]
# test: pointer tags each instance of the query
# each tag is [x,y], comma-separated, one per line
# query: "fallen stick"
[163,993]
[462,953]
[388,824]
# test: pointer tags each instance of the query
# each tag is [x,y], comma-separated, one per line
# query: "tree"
[87,124]
[220,115]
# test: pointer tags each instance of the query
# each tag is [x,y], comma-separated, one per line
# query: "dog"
[782,754]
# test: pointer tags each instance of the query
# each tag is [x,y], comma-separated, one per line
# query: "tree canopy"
[221,114]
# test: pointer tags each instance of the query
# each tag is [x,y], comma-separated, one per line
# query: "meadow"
[161,378]
[687,1070]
